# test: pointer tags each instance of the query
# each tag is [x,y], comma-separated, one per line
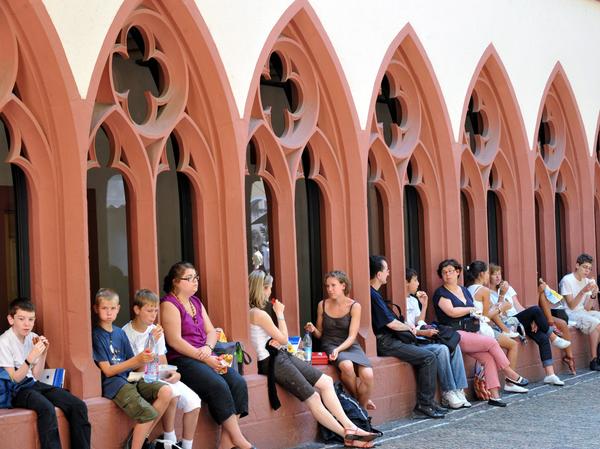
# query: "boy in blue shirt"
[23,355]
[144,402]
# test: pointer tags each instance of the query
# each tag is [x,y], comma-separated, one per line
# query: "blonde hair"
[143,297]
[105,293]
[257,281]
[493,269]
[342,278]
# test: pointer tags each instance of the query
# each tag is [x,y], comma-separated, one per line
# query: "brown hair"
[143,297]
[341,277]
[175,272]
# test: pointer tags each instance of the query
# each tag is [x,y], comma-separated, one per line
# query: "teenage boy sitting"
[23,355]
[579,292]
[145,309]
[144,402]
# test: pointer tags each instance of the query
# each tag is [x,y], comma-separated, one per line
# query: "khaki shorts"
[136,399]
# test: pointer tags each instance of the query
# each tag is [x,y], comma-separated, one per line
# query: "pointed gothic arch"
[299,95]
[561,148]
[499,134]
[417,127]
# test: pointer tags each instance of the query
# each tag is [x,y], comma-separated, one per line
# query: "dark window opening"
[14,230]
[561,236]
[388,110]
[413,231]
[375,216]
[538,238]
[495,238]
[544,138]
[474,126]
[278,94]
[174,213]
[258,214]
[465,222]
[308,243]
[108,228]
[136,76]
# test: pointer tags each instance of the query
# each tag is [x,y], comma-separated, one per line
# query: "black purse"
[467,324]
[406,337]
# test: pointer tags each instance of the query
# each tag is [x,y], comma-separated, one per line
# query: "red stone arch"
[384,175]
[432,199]
[425,135]
[506,139]
[544,192]
[198,108]
[475,189]
[570,193]
[274,170]
[325,122]
[570,144]
[129,158]
[41,117]
[506,188]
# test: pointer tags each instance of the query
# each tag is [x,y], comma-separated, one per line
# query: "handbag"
[467,324]
[448,337]
[235,348]
[479,384]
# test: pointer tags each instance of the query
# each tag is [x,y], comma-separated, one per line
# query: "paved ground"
[546,418]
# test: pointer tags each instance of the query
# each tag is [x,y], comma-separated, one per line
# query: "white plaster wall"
[530,37]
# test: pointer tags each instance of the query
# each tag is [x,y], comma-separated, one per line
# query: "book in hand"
[54,377]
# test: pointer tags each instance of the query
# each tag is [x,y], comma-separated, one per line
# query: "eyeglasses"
[195,278]
[448,271]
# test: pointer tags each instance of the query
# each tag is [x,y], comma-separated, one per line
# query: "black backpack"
[353,411]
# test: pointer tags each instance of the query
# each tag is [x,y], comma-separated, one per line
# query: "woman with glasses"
[453,306]
[191,339]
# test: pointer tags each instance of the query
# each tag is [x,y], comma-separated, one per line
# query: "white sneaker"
[553,380]
[561,343]
[514,388]
[450,398]
[460,394]
[511,334]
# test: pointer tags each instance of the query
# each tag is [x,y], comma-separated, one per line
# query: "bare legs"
[142,430]
[512,349]
[359,386]
[231,435]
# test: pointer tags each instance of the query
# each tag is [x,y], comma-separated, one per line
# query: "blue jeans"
[450,369]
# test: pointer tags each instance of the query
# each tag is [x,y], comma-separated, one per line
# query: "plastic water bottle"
[151,370]
[307,344]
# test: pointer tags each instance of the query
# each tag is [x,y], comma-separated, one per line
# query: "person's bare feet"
[371,405]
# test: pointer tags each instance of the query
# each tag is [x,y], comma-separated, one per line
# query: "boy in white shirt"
[580,292]
[145,308]
[23,355]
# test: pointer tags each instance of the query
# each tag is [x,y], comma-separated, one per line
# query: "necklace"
[191,310]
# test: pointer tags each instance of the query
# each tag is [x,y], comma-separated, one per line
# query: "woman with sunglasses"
[191,338]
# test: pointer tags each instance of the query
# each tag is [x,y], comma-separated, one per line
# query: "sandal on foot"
[570,364]
[352,435]
[358,443]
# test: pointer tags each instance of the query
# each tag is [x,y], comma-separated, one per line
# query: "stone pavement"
[547,417]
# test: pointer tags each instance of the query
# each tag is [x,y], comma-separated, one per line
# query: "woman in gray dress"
[338,320]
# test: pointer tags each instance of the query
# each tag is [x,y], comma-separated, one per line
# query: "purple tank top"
[191,331]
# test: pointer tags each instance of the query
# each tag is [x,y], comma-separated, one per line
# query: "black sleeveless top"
[443,292]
